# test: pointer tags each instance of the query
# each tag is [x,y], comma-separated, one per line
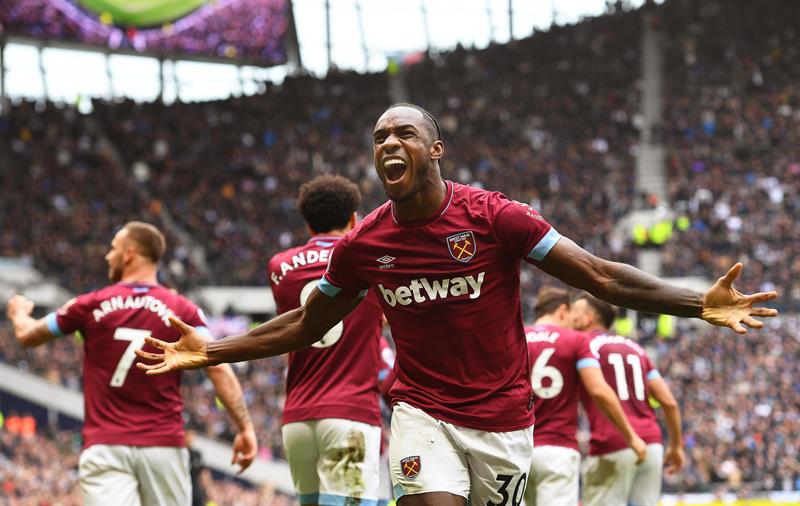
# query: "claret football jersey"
[449,287]
[627,369]
[336,377]
[122,405]
[556,355]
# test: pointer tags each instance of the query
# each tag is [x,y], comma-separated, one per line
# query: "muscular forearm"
[608,403]
[275,337]
[627,286]
[230,394]
[672,416]
[29,331]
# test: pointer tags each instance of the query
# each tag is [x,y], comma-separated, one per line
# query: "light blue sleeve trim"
[312,498]
[342,500]
[327,287]
[653,374]
[587,362]
[363,293]
[203,331]
[52,325]
[398,492]
[545,244]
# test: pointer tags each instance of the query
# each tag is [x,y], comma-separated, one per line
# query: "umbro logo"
[385,259]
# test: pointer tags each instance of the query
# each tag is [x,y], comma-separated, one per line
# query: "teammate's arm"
[288,332]
[627,286]
[29,331]
[673,457]
[606,400]
[230,394]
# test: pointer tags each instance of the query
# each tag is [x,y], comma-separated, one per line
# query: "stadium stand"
[732,132]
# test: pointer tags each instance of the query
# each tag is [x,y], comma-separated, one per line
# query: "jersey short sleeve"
[341,277]
[649,371]
[583,353]
[194,316]
[71,316]
[523,231]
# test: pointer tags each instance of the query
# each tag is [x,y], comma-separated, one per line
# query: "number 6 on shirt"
[136,337]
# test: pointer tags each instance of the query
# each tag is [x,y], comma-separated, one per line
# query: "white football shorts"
[615,479]
[554,476]
[134,475]
[429,455]
[334,461]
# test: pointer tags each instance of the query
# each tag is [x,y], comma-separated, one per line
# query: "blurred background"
[663,134]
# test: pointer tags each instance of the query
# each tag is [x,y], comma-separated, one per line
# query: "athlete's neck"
[549,320]
[331,233]
[145,274]
[424,204]
[595,327]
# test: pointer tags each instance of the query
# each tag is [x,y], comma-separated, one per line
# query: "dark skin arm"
[627,286]
[288,332]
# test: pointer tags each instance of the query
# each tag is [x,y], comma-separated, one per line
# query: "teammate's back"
[562,365]
[332,409]
[122,405]
[134,450]
[628,370]
[332,378]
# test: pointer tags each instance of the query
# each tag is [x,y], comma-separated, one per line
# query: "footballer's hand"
[726,306]
[673,459]
[245,448]
[189,352]
[640,447]
[19,305]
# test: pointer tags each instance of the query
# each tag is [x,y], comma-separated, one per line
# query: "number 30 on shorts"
[505,490]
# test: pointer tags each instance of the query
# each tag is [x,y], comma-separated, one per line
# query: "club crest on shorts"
[411,466]
[462,246]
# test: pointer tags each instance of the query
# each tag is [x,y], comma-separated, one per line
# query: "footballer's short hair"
[433,123]
[149,240]
[550,299]
[327,202]
[606,312]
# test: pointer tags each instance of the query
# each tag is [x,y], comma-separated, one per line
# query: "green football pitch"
[143,12]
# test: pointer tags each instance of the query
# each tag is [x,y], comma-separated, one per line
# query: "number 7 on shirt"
[136,338]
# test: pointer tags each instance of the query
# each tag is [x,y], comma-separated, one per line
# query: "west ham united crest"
[462,246]
[411,466]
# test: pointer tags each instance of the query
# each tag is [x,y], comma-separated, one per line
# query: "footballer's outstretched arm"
[290,331]
[29,331]
[606,400]
[627,286]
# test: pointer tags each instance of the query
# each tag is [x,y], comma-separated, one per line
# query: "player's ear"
[437,150]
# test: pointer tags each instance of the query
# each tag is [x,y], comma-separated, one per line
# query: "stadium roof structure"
[363,35]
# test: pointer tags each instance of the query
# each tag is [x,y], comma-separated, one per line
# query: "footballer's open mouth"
[394,168]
